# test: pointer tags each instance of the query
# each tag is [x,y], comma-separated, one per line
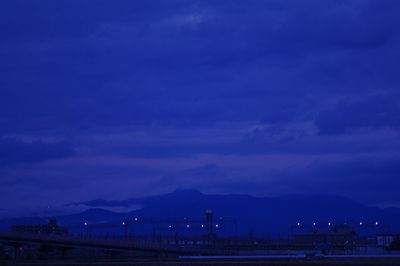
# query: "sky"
[120,99]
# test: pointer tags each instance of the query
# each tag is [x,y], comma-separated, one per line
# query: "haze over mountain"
[256,215]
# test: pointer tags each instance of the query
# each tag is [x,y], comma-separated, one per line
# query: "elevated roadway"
[107,244]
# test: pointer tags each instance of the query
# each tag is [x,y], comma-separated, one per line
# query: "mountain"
[242,214]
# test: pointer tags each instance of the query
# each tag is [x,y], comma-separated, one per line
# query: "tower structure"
[209,222]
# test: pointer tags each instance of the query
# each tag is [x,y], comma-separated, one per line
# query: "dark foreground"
[151,262]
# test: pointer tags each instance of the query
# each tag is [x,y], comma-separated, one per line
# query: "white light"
[136,219]
[314,224]
[360,223]
[170,226]
[329,224]
[216,225]
[202,226]
[123,223]
[187,226]
[298,224]
[85,223]
[376,223]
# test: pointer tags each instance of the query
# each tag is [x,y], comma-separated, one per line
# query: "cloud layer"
[130,98]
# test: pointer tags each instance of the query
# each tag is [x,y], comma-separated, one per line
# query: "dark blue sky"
[117,99]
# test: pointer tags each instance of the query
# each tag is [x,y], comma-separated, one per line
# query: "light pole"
[86,227]
[125,225]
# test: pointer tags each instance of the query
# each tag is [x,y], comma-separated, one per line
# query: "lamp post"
[125,225]
[86,228]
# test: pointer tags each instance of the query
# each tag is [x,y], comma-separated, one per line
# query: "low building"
[385,240]
[52,228]
[341,237]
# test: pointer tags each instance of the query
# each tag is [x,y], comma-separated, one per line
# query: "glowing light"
[376,223]
[136,219]
[329,224]
[202,226]
[169,226]
[298,224]
[217,225]
[85,223]
[123,223]
[314,224]
[187,226]
[361,223]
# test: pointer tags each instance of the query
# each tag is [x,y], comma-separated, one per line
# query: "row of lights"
[217,225]
[169,226]
[329,224]
[188,226]
[123,223]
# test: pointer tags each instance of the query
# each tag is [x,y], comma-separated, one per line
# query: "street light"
[86,229]
[125,225]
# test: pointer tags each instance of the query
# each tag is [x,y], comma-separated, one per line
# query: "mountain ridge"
[259,215]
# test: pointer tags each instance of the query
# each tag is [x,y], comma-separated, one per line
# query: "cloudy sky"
[118,99]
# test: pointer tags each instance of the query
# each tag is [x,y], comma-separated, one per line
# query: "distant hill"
[253,215]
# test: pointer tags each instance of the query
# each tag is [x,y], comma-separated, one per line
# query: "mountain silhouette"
[260,216]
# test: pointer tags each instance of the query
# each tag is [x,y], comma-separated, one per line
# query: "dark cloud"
[377,111]
[167,82]
[189,64]
[365,179]
[241,139]
[370,179]
[14,151]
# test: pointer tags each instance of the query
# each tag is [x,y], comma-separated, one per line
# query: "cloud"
[243,139]
[177,85]
[15,151]
[368,179]
[272,62]
[376,111]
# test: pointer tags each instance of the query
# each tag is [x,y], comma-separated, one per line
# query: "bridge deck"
[121,245]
